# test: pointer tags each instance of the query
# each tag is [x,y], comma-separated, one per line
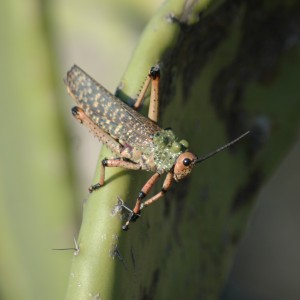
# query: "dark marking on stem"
[245,194]
[175,199]
[132,258]
[149,294]
[257,59]
[266,34]
[115,252]
[195,47]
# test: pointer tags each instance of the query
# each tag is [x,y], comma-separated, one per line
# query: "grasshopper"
[139,143]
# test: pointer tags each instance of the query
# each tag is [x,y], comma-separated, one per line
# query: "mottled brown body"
[133,131]
[139,143]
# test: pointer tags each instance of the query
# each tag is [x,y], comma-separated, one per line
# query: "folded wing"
[109,113]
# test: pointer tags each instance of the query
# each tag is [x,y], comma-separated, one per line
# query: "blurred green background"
[47,160]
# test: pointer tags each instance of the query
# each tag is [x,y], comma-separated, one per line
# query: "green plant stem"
[182,246]
[158,37]
[92,272]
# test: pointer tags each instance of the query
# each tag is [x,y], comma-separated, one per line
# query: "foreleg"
[134,215]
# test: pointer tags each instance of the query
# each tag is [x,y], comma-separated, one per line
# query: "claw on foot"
[132,218]
[125,227]
[132,215]
[94,187]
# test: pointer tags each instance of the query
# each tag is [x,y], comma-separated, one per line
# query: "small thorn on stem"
[76,252]
[76,248]
[121,203]
[132,215]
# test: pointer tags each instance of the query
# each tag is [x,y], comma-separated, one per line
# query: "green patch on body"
[167,149]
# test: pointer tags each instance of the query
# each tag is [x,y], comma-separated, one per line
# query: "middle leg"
[135,213]
[114,162]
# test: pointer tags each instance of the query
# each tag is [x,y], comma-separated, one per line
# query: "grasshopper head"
[184,165]
[186,160]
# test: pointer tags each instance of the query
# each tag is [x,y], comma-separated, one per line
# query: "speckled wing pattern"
[122,122]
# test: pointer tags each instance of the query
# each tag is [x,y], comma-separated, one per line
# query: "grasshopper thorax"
[184,165]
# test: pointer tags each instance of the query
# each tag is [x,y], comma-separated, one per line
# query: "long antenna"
[221,148]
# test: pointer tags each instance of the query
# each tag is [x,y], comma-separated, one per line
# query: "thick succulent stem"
[93,267]
[211,91]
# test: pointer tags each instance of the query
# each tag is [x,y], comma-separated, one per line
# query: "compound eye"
[186,162]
